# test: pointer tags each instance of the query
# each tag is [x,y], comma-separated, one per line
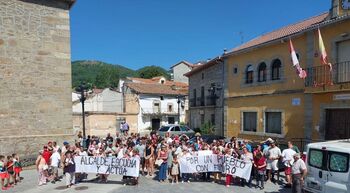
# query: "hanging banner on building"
[108,165]
[237,167]
[201,163]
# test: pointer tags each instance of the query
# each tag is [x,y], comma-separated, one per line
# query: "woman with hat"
[69,169]
[163,155]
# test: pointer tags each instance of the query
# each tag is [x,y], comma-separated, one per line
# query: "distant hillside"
[103,75]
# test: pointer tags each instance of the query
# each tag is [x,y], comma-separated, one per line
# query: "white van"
[328,167]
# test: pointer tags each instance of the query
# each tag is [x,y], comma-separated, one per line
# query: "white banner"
[201,163]
[237,167]
[108,165]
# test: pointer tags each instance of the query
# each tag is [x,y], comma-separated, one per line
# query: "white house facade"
[106,100]
[159,101]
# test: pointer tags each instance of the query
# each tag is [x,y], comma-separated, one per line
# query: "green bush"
[207,128]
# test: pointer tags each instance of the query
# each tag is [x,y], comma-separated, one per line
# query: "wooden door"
[337,124]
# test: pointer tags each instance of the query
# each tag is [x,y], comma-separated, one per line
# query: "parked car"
[175,129]
[328,167]
[208,138]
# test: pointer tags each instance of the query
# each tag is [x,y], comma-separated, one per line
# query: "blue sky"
[136,33]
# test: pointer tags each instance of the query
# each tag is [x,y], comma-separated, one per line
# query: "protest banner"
[201,163]
[108,165]
[237,167]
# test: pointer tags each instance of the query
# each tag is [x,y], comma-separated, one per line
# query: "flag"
[295,60]
[322,49]
[302,73]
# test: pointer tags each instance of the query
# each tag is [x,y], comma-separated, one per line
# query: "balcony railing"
[211,100]
[156,110]
[323,76]
[192,102]
[200,101]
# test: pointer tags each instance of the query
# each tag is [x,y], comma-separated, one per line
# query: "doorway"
[337,124]
[155,124]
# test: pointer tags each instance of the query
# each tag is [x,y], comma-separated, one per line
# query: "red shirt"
[9,168]
[260,162]
[46,155]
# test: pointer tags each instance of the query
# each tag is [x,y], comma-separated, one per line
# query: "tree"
[152,71]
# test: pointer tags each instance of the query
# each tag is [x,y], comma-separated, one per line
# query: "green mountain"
[102,75]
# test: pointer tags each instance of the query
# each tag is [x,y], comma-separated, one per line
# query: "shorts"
[288,170]
[54,170]
[4,175]
[272,165]
[17,170]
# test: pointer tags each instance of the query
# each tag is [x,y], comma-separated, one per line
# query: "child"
[3,172]
[10,170]
[260,165]
[17,168]
[175,170]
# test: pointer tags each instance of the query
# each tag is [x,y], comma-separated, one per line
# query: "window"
[171,120]
[202,96]
[194,97]
[184,128]
[338,162]
[262,72]
[249,121]
[176,128]
[202,119]
[170,108]
[235,70]
[249,74]
[273,122]
[276,69]
[202,76]
[212,119]
[315,158]
[156,106]
[164,128]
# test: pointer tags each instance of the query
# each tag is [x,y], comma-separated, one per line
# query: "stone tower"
[339,8]
[35,75]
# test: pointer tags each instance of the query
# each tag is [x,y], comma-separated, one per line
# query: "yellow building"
[266,98]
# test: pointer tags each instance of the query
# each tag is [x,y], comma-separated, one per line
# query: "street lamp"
[82,88]
[178,107]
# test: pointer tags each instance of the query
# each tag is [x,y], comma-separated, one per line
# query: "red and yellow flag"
[324,57]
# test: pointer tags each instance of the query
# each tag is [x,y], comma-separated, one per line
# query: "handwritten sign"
[201,163]
[237,167]
[108,165]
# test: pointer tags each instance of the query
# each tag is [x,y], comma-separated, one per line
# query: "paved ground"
[146,185]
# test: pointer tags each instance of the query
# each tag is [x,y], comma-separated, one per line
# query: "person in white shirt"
[55,163]
[288,160]
[247,157]
[299,172]
[273,154]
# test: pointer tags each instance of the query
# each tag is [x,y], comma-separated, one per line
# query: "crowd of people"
[163,152]
[10,169]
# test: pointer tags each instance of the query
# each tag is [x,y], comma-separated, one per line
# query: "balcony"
[211,100]
[158,111]
[192,102]
[201,101]
[321,76]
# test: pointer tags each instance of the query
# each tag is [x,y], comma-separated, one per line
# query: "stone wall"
[99,124]
[206,78]
[35,75]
